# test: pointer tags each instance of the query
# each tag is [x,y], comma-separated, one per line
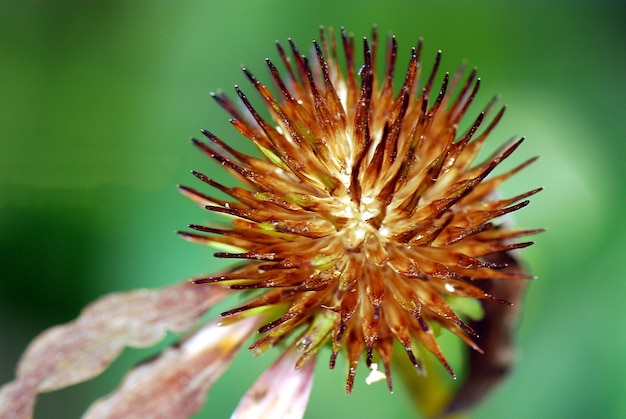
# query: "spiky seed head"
[366,215]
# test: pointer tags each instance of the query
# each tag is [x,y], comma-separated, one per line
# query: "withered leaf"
[81,349]
[495,332]
[174,384]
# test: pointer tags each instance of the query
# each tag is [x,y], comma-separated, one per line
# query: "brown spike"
[392,53]
[374,47]
[293,81]
[462,102]
[348,48]
[433,73]
[222,99]
[336,112]
[301,67]
[279,83]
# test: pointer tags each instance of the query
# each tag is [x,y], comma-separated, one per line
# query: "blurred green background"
[98,99]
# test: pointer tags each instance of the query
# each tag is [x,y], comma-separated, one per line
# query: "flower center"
[358,233]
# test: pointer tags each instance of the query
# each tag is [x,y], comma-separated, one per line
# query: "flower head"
[365,220]
[367,215]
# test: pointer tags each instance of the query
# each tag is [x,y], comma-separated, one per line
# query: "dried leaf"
[80,350]
[174,384]
[495,332]
[282,391]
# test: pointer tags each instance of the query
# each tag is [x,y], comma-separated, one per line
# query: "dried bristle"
[366,208]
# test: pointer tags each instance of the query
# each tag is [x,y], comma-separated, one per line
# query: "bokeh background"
[98,100]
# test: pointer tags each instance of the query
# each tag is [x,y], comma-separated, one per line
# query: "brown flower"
[368,215]
[365,221]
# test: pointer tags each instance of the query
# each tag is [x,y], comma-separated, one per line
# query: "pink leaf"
[80,350]
[174,385]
